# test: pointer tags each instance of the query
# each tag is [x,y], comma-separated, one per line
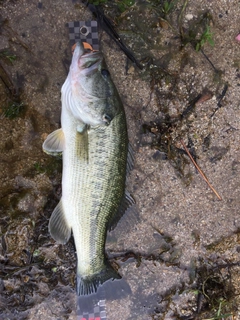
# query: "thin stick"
[200,171]
[183,8]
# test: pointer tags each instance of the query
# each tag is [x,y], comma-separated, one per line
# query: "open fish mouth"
[86,60]
[89,62]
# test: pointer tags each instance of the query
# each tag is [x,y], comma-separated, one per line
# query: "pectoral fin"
[55,142]
[58,226]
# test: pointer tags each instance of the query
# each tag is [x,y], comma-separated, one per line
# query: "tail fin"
[88,285]
[107,284]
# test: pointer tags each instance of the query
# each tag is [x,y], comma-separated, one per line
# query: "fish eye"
[107,119]
[105,72]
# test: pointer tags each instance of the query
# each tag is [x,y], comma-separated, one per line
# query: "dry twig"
[200,171]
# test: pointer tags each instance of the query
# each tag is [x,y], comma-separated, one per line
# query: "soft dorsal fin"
[126,203]
[130,158]
[55,142]
[58,226]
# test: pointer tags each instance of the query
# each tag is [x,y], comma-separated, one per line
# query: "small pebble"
[189,16]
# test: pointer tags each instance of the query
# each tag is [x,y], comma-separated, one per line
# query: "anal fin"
[58,226]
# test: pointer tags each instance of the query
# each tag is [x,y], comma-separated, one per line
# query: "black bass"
[93,141]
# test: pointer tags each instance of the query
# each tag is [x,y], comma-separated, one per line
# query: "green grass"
[7,55]
[219,314]
[125,4]
[198,32]
[168,6]
[207,36]
[13,110]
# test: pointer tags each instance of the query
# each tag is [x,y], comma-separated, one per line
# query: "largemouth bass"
[93,141]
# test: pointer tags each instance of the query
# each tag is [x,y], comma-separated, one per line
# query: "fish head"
[94,95]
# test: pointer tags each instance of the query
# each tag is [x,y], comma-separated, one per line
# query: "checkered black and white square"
[86,31]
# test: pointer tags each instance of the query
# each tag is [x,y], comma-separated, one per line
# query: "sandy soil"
[181,258]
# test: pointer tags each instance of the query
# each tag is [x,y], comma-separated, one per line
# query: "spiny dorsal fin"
[126,203]
[55,142]
[58,226]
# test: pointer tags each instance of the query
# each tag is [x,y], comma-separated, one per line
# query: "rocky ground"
[181,258]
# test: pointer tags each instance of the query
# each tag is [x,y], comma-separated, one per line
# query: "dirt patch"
[181,258]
